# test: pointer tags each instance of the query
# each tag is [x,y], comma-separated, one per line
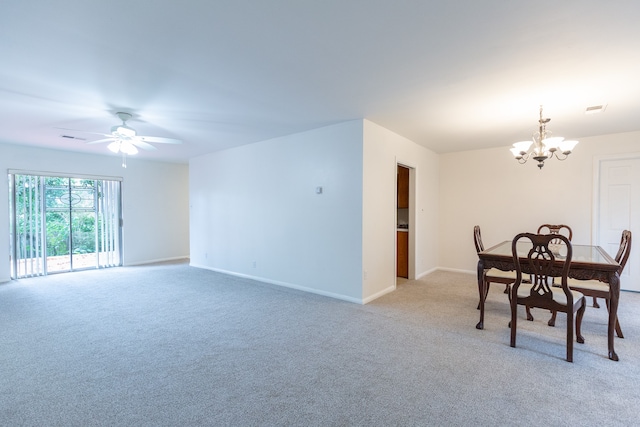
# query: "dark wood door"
[402,264]
[403,187]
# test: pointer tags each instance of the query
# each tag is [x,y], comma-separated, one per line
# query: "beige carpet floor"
[169,345]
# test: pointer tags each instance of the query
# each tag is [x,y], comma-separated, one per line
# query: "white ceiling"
[449,75]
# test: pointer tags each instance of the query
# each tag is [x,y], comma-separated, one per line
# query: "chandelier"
[544,146]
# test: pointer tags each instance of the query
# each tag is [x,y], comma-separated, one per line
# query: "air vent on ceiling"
[595,109]
[73,137]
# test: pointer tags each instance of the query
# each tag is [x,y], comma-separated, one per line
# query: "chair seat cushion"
[524,290]
[494,272]
[593,285]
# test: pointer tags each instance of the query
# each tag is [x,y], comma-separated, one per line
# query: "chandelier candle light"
[544,146]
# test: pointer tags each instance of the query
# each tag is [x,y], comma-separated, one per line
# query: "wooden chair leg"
[618,330]
[529,316]
[485,294]
[506,289]
[570,335]
[595,303]
[552,321]
[579,337]
[513,323]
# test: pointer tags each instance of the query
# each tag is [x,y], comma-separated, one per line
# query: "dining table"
[588,263]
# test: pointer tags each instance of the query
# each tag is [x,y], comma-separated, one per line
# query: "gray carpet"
[171,345]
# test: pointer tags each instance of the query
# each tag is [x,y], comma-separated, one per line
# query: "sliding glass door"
[63,223]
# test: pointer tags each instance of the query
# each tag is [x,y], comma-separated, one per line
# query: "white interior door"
[619,209]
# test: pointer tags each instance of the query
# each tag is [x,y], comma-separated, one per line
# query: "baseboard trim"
[321,292]
[154,261]
[456,270]
[425,273]
[378,294]
[279,283]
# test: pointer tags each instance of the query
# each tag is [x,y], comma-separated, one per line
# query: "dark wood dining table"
[589,262]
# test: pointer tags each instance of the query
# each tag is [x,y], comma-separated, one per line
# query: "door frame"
[412,220]
[595,226]
[597,162]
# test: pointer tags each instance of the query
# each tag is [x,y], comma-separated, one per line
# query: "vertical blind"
[62,223]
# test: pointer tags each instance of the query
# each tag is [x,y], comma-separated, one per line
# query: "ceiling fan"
[124,139]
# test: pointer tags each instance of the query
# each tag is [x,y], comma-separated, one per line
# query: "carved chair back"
[556,229]
[625,249]
[477,239]
[540,266]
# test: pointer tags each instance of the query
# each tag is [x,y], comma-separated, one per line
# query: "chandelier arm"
[557,155]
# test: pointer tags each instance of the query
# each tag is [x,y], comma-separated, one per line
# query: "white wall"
[489,188]
[258,204]
[155,199]
[383,149]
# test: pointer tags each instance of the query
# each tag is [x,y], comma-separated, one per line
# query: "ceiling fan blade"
[160,139]
[98,141]
[84,131]
[138,143]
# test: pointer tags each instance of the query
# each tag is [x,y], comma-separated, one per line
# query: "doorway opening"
[405,222]
[63,223]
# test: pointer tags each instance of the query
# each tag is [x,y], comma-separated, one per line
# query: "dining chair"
[597,289]
[540,266]
[556,229]
[492,275]
[566,231]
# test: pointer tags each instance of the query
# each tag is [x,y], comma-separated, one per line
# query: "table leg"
[614,297]
[481,293]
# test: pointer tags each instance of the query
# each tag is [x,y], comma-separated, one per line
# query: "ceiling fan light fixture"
[114,147]
[124,147]
[128,148]
[123,130]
